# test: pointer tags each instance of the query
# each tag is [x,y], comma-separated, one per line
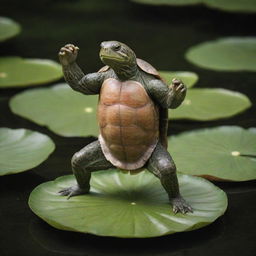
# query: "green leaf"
[168,2]
[233,6]
[69,113]
[123,205]
[8,28]
[225,54]
[188,78]
[22,149]
[18,72]
[225,152]
[210,104]
[62,110]
[225,5]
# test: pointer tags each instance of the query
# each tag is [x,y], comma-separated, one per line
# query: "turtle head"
[119,57]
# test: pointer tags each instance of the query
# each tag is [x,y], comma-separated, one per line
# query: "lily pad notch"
[128,206]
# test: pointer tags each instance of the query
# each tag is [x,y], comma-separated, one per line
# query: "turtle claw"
[72,191]
[180,205]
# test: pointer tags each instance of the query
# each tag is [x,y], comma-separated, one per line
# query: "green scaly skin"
[122,62]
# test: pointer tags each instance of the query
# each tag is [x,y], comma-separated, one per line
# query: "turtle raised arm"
[132,116]
[168,97]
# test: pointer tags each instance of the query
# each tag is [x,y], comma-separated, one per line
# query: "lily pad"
[225,54]
[168,2]
[222,153]
[69,113]
[210,104]
[62,110]
[8,28]
[225,5]
[188,78]
[18,72]
[233,6]
[123,205]
[22,149]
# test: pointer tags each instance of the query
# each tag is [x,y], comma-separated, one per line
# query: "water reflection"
[84,244]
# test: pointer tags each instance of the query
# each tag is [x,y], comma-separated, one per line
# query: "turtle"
[132,116]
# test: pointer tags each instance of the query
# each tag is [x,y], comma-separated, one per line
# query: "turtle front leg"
[163,167]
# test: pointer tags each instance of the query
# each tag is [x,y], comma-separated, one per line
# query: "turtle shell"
[148,68]
[163,112]
[129,123]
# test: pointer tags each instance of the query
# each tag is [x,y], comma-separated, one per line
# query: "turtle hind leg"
[180,205]
[84,162]
[163,167]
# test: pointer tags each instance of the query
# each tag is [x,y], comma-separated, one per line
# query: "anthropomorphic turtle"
[132,115]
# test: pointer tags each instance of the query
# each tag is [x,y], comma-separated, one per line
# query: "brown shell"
[163,112]
[129,123]
[148,68]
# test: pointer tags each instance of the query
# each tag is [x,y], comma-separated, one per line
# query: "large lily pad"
[210,104]
[69,113]
[62,110]
[18,72]
[124,205]
[225,5]
[225,54]
[22,149]
[8,28]
[226,153]
[188,78]
[233,6]
[169,2]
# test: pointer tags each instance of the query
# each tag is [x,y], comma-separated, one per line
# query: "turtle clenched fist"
[178,90]
[68,54]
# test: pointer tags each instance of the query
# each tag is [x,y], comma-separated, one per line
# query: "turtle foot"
[73,191]
[180,205]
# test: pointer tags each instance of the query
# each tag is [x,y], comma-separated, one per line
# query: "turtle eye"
[117,47]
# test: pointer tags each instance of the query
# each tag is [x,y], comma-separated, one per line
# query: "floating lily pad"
[8,28]
[69,113]
[22,149]
[168,2]
[124,205]
[226,54]
[225,5]
[233,6]
[188,78]
[210,104]
[226,153]
[18,72]
[61,109]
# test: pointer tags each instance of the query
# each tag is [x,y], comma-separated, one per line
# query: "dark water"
[160,36]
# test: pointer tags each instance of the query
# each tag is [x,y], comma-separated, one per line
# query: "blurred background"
[160,35]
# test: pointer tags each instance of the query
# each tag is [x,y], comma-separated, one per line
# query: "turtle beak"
[104,51]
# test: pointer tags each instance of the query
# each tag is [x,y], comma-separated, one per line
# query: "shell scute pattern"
[129,123]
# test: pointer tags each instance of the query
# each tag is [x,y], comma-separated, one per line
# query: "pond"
[161,36]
